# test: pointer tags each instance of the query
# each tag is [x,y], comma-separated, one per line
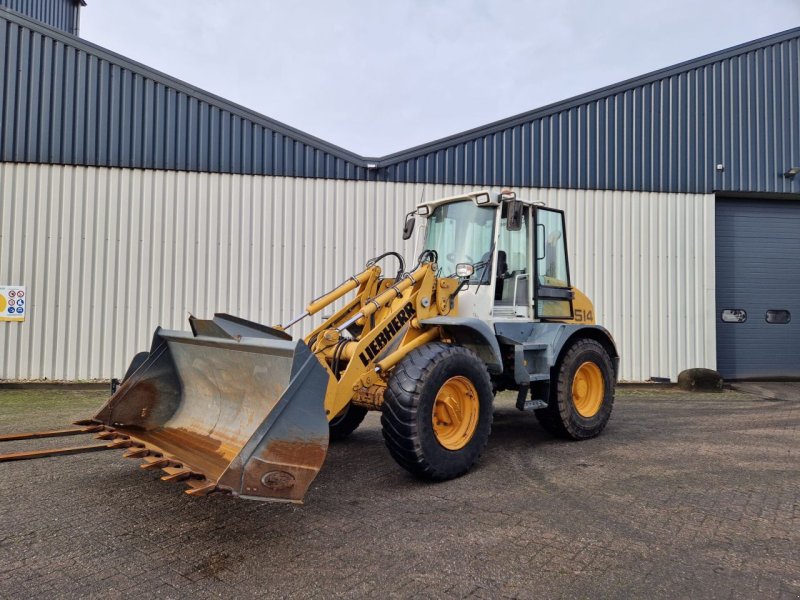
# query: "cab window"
[551,255]
[511,286]
[461,232]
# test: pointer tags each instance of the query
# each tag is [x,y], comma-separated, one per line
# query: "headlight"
[464,270]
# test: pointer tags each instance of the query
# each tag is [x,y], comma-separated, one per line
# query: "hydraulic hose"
[399,258]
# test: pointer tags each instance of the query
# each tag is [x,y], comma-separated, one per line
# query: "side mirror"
[514,215]
[408,227]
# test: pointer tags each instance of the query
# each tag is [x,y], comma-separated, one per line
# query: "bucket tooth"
[179,474]
[136,453]
[155,463]
[110,435]
[123,443]
[200,487]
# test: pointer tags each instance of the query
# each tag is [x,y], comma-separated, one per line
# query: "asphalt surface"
[684,495]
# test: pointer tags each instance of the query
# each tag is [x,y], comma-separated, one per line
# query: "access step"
[528,404]
[539,377]
[532,405]
[534,346]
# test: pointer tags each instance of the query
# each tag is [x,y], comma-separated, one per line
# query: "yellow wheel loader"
[241,408]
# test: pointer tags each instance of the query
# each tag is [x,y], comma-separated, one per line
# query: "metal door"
[758,288]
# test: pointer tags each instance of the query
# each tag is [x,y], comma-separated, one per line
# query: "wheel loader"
[240,408]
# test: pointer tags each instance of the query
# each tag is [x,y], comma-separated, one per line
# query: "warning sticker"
[12,303]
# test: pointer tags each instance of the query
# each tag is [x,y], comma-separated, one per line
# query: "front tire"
[581,394]
[346,422]
[437,411]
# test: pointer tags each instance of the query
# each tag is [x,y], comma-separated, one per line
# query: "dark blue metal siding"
[662,132]
[61,14]
[66,101]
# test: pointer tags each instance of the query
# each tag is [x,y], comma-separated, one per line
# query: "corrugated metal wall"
[108,254]
[66,101]
[61,14]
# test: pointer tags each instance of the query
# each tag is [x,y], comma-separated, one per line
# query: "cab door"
[552,290]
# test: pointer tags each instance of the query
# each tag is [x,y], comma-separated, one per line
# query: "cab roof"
[495,199]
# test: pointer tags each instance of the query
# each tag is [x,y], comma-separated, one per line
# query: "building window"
[734,315]
[778,317]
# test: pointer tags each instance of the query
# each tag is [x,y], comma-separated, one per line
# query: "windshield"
[461,232]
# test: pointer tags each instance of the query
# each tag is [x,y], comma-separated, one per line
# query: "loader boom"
[376,329]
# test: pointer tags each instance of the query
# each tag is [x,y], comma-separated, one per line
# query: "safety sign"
[13,302]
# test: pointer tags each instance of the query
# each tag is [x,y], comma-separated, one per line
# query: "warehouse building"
[130,199]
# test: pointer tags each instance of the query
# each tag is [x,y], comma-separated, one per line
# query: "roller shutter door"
[758,288]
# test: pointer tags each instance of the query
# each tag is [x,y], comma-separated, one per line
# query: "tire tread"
[558,417]
[399,417]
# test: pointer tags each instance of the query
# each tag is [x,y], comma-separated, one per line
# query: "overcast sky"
[380,76]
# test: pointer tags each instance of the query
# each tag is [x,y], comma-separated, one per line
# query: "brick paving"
[682,496]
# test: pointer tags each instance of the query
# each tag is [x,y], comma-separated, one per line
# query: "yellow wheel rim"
[455,413]
[588,389]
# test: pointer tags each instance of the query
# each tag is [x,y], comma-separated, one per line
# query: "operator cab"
[498,244]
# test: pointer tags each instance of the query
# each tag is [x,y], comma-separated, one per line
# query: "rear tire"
[581,394]
[346,422]
[437,411]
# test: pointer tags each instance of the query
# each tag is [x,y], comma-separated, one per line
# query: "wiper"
[485,264]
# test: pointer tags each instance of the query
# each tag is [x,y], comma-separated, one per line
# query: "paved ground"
[770,390]
[683,496]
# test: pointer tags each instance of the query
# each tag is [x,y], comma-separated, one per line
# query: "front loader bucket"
[233,406]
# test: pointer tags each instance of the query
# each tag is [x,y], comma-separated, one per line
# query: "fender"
[557,337]
[593,332]
[474,334]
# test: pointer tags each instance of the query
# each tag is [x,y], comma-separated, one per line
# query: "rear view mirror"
[408,227]
[514,217]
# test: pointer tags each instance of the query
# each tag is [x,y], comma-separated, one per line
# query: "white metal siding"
[108,254]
